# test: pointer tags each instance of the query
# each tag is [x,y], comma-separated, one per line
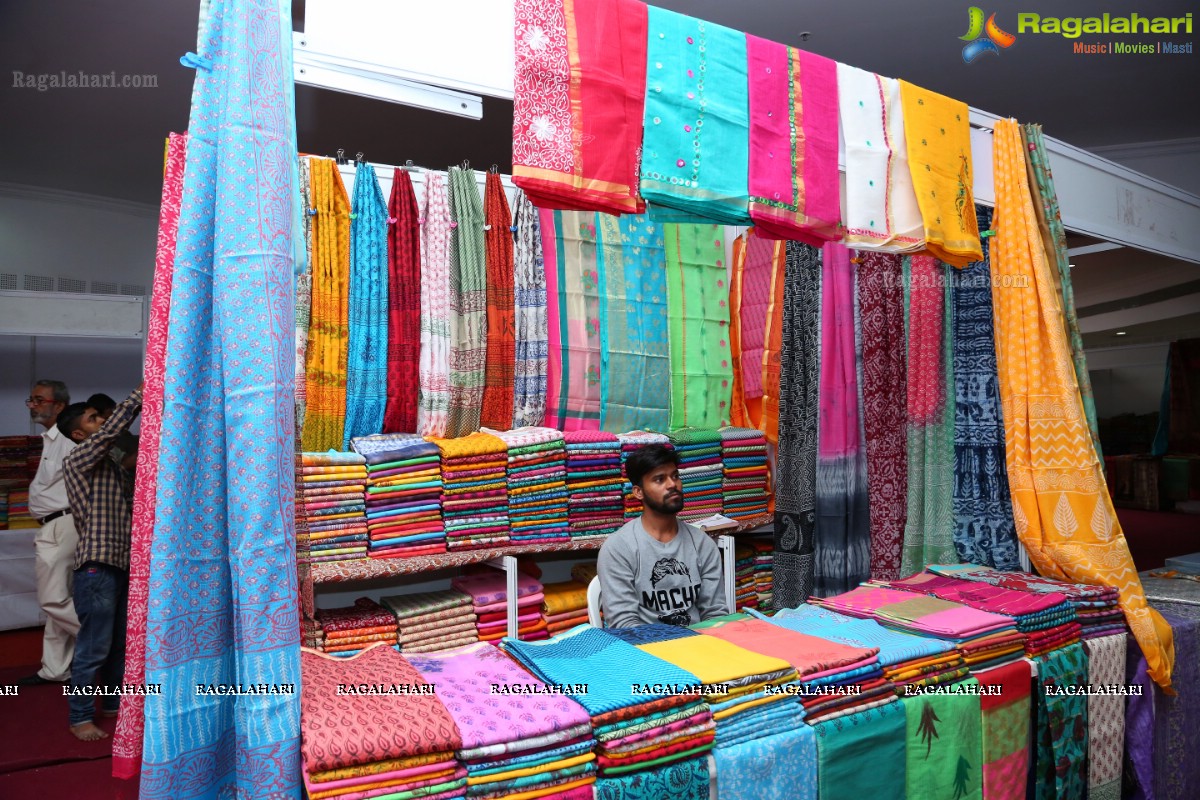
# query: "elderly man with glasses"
[56,540]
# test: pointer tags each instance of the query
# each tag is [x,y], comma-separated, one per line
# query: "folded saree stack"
[474,491]
[349,740]
[351,629]
[488,591]
[329,494]
[537,494]
[746,588]
[764,578]
[564,605]
[518,740]
[630,442]
[700,471]
[430,621]
[404,495]
[594,483]
[745,478]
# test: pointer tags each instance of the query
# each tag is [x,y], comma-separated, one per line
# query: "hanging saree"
[1005,727]
[698,313]
[983,526]
[498,372]
[843,535]
[696,140]
[366,374]
[468,304]
[945,746]
[752,325]
[303,295]
[795,493]
[884,390]
[862,755]
[634,344]
[772,360]
[1054,240]
[434,372]
[779,767]
[1061,507]
[937,133]
[329,330]
[529,324]
[1061,727]
[575,345]
[685,780]
[929,529]
[793,178]
[1106,716]
[404,306]
[224,511]
[577,104]
[127,739]
[881,211]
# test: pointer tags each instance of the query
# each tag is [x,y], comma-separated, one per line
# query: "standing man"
[101,502]
[657,568]
[56,539]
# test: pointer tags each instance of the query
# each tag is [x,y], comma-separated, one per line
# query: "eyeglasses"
[38,401]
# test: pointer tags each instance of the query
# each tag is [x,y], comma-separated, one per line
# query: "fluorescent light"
[1121,333]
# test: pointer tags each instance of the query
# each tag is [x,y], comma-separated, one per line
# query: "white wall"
[1176,162]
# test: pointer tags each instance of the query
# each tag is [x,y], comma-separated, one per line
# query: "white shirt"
[48,492]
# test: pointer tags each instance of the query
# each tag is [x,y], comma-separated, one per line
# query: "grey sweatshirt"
[643,580]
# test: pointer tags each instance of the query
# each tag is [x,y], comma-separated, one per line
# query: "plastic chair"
[593,600]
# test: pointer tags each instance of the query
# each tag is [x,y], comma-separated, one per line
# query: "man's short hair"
[58,390]
[102,403]
[68,420]
[648,458]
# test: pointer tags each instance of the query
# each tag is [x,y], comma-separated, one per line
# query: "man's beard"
[671,504]
[40,417]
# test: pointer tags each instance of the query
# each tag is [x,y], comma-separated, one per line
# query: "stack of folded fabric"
[584,572]
[564,606]
[747,586]
[521,741]
[764,577]
[745,477]
[329,493]
[594,483]
[3,509]
[629,442]
[404,494]
[14,457]
[431,621]
[18,510]
[537,491]
[474,491]
[700,471]
[375,743]
[354,628]
[1096,607]
[311,634]
[488,591]
[639,722]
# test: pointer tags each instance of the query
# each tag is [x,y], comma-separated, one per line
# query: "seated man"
[657,568]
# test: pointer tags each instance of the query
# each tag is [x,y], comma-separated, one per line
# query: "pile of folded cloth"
[401,743]
[595,483]
[1096,607]
[747,586]
[404,494]
[638,721]
[431,621]
[522,741]
[764,576]
[700,471]
[629,442]
[19,517]
[354,628]
[329,496]
[564,605]
[1046,620]
[488,592]
[537,489]
[474,491]
[907,660]
[583,572]
[14,459]
[745,477]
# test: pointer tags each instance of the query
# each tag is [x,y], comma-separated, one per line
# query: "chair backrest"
[593,596]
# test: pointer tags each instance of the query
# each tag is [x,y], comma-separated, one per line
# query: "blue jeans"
[101,597]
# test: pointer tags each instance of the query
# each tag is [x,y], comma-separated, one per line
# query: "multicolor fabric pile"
[431,621]
[488,591]
[764,580]
[404,495]
[629,442]
[352,629]
[747,587]
[745,485]
[474,491]
[18,510]
[700,471]
[564,606]
[329,495]
[594,483]
[537,493]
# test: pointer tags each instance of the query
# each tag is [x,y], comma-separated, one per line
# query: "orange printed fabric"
[772,348]
[475,444]
[755,263]
[1061,506]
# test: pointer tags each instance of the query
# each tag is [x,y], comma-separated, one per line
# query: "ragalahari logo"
[983,38]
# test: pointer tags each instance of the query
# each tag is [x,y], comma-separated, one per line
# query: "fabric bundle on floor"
[474,491]
[596,504]
[700,470]
[351,629]
[537,491]
[350,741]
[329,495]
[404,495]
[630,442]
[564,605]
[489,590]
[637,727]
[764,550]
[432,621]
[520,741]
[745,483]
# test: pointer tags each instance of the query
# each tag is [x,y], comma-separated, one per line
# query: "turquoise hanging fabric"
[366,372]
[222,604]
